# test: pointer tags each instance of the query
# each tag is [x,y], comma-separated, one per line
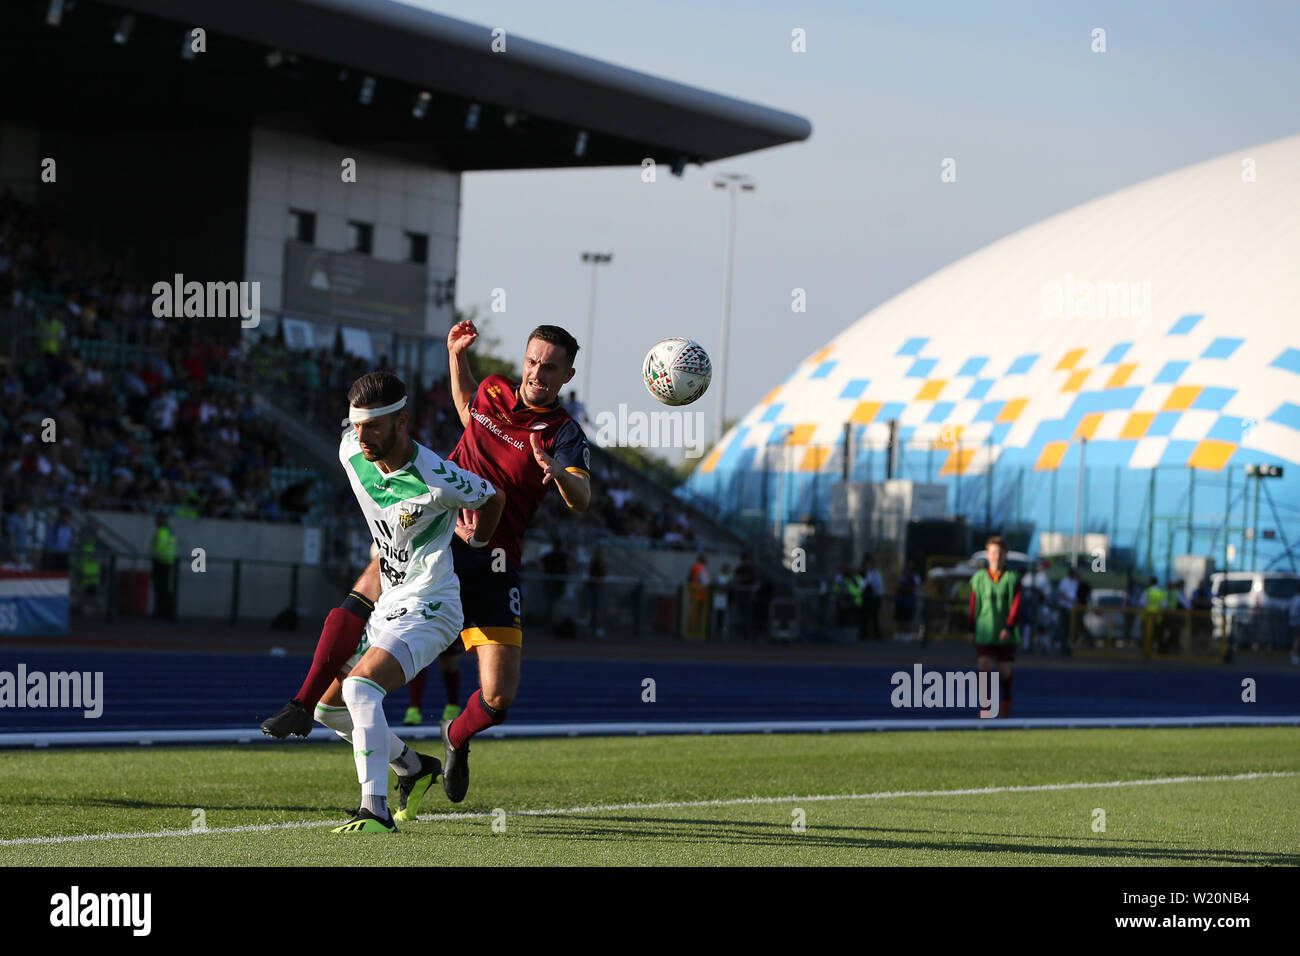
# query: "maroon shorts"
[1003,652]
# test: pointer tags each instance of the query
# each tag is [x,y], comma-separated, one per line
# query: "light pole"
[594,259]
[1257,472]
[731,182]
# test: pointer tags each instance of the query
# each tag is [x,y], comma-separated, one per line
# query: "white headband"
[366,414]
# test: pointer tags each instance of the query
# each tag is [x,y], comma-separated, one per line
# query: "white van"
[1251,605]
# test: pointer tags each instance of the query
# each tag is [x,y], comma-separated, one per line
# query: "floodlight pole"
[594,259]
[731,182]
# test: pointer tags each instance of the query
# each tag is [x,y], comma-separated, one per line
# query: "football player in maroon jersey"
[524,439]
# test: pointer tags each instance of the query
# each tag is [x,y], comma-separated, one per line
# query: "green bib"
[992,605]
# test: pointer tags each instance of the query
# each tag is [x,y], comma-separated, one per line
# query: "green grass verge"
[1249,822]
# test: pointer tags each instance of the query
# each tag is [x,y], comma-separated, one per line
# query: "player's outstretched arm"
[575,487]
[463,386]
[489,516]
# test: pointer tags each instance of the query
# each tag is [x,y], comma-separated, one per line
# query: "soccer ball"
[677,371]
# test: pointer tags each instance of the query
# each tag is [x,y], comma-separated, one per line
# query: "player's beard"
[380,449]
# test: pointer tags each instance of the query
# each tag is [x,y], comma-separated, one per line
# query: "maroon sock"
[416,688]
[338,641]
[475,717]
[451,681]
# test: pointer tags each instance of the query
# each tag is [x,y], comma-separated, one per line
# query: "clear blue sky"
[1037,122]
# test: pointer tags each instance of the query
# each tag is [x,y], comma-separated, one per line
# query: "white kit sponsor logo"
[496,430]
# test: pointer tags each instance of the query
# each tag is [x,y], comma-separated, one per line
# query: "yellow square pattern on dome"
[1120,375]
[801,434]
[1211,455]
[1075,381]
[1137,425]
[820,355]
[1088,426]
[865,413]
[931,389]
[1051,456]
[1181,398]
[814,458]
[771,396]
[1070,359]
[1011,410]
[712,461]
[957,461]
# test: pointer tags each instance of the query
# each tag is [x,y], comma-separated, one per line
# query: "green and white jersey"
[412,516]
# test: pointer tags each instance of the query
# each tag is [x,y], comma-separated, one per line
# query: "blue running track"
[171,691]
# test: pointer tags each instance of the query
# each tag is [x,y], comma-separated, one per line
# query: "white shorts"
[414,632]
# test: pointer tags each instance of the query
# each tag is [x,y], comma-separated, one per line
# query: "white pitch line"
[669,805]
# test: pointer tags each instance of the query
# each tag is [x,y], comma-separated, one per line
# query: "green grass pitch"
[703,800]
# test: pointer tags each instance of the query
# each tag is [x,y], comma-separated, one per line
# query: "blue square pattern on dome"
[921,368]
[999,433]
[1116,353]
[941,411]
[855,387]
[824,370]
[1221,348]
[905,433]
[773,412]
[988,412]
[1227,428]
[980,388]
[1106,453]
[912,347]
[890,410]
[1171,372]
[1022,365]
[1213,398]
[1186,323]
[1288,361]
[1163,424]
[735,455]
[972,366]
[779,434]
[1107,400]
[1287,414]
[1055,429]
[1177,452]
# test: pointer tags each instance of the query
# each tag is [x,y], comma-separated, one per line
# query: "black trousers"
[869,617]
[162,590]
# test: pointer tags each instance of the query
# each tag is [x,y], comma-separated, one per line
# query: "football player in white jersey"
[410,498]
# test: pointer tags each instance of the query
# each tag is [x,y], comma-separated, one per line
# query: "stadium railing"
[1173,633]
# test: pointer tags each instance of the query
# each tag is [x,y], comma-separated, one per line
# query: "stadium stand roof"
[300,65]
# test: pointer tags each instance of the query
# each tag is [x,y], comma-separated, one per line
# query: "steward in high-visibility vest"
[90,564]
[1156,598]
[163,548]
[854,585]
[50,334]
[163,552]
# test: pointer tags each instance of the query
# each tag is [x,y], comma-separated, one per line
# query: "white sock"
[405,763]
[370,741]
[336,719]
[339,720]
